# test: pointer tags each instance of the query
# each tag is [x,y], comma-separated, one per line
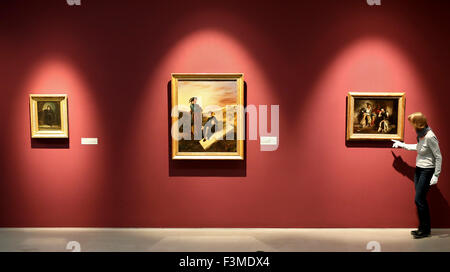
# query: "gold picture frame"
[48,116]
[375,116]
[195,93]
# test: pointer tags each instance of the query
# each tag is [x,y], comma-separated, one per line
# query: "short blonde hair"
[418,120]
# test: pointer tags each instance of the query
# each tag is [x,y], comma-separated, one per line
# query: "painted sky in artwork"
[220,93]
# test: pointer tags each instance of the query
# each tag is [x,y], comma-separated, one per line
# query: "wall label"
[268,140]
[89,141]
[73,2]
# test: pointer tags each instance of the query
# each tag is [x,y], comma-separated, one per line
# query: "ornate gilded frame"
[35,132]
[351,136]
[239,154]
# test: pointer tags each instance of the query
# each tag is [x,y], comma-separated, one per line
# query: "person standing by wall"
[428,169]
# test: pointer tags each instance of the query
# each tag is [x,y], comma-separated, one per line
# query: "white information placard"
[269,140]
[89,141]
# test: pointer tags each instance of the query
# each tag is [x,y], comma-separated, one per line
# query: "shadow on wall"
[204,168]
[50,143]
[439,207]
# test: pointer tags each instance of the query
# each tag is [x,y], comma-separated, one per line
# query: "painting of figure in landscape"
[211,105]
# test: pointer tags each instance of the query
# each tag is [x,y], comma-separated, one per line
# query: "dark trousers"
[422,180]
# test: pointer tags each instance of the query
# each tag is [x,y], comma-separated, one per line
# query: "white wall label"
[268,140]
[89,141]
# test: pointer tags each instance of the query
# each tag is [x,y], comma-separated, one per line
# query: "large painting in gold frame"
[207,99]
[48,116]
[375,116]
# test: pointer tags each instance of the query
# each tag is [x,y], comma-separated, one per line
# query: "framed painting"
[48,116]
[375,116]
[207,116]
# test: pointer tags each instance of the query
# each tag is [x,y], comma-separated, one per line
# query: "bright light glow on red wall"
[56,171]
[369,64]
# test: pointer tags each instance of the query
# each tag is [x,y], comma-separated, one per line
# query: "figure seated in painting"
[210,126]
[49,116]
[384,126]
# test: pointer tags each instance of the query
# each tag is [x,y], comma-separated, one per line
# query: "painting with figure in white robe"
[375,116]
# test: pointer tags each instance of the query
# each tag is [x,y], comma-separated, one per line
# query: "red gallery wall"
[114,60]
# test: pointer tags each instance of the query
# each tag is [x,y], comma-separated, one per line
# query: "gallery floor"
[140,239]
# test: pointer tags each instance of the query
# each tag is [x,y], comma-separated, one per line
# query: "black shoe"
[421,234]
[414,232]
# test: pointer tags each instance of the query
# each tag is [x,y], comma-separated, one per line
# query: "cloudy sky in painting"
[220,93]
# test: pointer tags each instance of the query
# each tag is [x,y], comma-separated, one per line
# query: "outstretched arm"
[410,147]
